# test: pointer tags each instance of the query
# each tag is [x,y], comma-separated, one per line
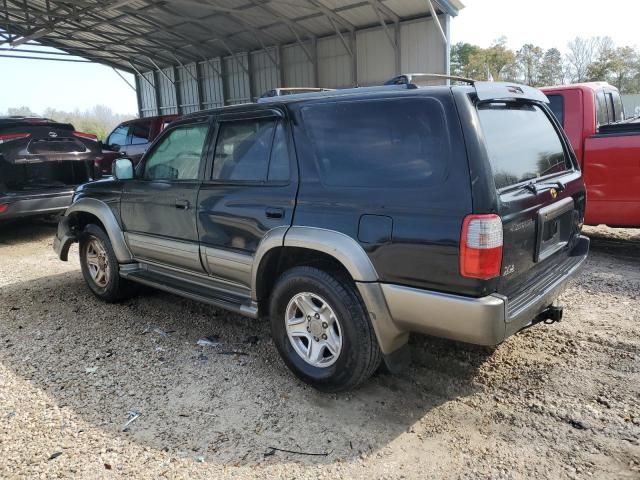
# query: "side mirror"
[122,169]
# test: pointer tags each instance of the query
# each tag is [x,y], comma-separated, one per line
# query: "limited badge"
[554,193]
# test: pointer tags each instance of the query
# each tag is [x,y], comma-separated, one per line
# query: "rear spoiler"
[484,90]
[508,91]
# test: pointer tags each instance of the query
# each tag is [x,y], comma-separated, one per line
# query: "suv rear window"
[400,143]
[522,143]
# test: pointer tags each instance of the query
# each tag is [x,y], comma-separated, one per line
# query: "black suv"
[349,218]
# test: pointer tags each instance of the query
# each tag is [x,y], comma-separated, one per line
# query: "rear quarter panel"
[423,247]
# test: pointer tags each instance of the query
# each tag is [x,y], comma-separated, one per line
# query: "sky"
[547,23]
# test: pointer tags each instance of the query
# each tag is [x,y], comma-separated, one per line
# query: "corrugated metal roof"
[136,34]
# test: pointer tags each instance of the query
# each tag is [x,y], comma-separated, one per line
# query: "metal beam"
[25,57]
[434,15]
[42,32]
[341,37]
[142,75]
[176,91]
[124,79]
[390,37]
[186,69]
[159,70]
[378,5]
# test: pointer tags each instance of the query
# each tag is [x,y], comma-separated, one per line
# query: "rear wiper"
[539,187]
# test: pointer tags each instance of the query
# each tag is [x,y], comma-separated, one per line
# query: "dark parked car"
[41,162]
[131,139]
[350,218]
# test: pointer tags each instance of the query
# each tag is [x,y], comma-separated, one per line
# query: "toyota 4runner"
[350,218]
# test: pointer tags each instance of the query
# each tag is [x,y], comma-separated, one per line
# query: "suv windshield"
[522,143]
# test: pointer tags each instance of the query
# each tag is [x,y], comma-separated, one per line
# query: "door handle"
[272,212]
[183,204]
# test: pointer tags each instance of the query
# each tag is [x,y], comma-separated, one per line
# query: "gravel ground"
[560,401]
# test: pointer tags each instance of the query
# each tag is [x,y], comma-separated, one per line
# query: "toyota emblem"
[53,134]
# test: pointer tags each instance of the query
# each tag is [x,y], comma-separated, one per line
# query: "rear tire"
[322,330]
[100,267]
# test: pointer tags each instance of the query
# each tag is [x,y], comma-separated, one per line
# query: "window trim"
[139,173]
[277,116]
[561,136]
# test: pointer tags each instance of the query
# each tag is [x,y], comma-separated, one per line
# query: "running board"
[194,290]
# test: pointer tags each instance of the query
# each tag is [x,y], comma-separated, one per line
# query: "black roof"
[359,92]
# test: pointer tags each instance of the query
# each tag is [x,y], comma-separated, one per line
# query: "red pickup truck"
[607,146]
[131,139]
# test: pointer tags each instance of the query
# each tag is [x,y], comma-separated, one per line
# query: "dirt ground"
[560,401]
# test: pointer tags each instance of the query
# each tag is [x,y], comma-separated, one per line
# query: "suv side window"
[139,133]
[251,150]
[400,143]
[118,136]
[178,155]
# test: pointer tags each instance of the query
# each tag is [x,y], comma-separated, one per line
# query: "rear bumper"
[483,321]
[40,203]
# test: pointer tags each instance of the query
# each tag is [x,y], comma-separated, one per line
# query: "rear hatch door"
[541,194]
[39,154]
[43,141]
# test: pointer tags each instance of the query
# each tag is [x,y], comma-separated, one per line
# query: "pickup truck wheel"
[322,330]
[100,266]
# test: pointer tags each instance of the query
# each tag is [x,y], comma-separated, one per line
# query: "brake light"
[89,136]
[481,246]
[9,137]
[4,207]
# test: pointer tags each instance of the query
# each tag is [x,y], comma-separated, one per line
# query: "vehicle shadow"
[233,402]
[15,232]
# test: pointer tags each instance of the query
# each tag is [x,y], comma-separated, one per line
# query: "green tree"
[460,54]
[99,120]
[623,69]
[552,69]
[497,61]
[529,59]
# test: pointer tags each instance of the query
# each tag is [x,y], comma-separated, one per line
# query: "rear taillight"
[9,137]
[4,207]
[89,136]
[481,246]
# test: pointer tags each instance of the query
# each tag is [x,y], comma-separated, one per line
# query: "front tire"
[322,330]
[100,266]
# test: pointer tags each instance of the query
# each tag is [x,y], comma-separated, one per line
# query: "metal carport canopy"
[153,38]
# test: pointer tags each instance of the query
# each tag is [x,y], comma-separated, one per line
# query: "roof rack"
[409,78]
[327,92]
[278,92]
